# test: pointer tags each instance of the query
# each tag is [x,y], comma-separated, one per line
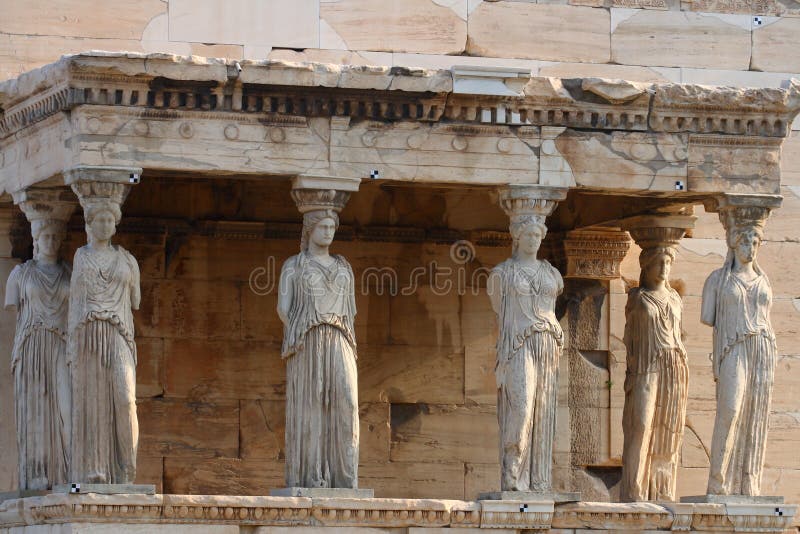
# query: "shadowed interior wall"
[211,381]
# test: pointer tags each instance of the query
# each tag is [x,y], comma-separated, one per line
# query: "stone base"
[530,496]
[21,494]
[323,493]
[106,489]
[733,499]
[90,513]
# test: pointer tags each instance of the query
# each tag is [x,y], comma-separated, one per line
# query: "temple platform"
[335,493]
[734,499]
[220,514]
[530,496]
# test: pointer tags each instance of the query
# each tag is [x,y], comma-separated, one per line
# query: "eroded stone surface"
[414,26]
[679,39]
[565,33]
[773,46]
[737,302]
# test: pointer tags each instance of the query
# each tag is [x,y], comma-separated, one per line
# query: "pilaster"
[593,259]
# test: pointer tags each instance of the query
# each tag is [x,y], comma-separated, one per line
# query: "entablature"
[223,117]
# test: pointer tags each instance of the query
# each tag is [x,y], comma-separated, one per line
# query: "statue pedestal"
[80,488]
[323,493]
[92,513]
[530,496]
[733,499]
[105,489]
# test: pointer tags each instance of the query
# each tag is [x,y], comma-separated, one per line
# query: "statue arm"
[559,280]
[136,289]
[708,307]
[12,289]
[286,290]
[352,296]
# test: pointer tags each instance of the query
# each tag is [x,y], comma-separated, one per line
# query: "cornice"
[284,91]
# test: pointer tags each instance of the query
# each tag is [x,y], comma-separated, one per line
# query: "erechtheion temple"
[299,293]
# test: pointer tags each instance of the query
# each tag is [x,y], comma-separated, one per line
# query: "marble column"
[593,257]
[657,374]
[39,292]
[101,347]
[737,299]
[523,292]
[9,479]
[316,303]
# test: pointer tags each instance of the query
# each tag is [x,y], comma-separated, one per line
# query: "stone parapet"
[128,513]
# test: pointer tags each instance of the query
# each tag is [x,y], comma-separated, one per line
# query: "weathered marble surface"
[101,349]
[737,300]
[316,302]
[657,375]
[39,291]
[678,39]
[412,127]
[523,292]
[204,513]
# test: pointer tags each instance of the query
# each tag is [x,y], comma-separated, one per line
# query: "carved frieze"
[595,253]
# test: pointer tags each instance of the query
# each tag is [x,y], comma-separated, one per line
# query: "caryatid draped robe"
[40,293]
[744,357]
[105,288]
[528,348]
[322,431]
[656,393]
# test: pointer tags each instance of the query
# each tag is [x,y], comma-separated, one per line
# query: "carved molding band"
[390,513]
[595,253]
[387,93]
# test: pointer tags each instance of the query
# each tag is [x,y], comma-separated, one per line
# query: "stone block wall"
[210,380]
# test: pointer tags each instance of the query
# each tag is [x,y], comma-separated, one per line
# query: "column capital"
[596,253]
[726,201]
[46,204]
[103,173]
[649,231]
[537,201]
[740,212]
[317,192]
[102,185]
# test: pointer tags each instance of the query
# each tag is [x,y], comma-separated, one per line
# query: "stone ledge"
[205,510]
[291,90]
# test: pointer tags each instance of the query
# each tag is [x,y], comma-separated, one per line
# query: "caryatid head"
[102,217]
[319,228]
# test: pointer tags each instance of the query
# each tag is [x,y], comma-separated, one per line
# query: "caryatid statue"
[657,374]
[39,290]
[736,301]
[316,304]
[523,292]
[103,293]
